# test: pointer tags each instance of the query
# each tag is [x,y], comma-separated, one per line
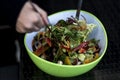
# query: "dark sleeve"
[53,6]
[9,11]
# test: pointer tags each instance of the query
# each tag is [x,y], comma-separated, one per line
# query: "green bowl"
[69,70]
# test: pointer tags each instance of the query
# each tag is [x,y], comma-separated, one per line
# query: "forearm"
[9,11]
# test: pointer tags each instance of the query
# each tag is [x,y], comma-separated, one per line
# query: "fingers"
[29,20]
[42,13]
[26,28]
[29,23]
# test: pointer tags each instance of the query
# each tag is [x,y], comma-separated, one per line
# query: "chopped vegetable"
[67,60]
[81,57]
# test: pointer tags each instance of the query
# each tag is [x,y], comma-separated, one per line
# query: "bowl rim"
[98,59]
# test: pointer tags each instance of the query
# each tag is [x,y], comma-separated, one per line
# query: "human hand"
[29,20]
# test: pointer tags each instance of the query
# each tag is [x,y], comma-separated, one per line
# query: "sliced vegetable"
[81,57]
[41,50]
[48,41]
[67,61]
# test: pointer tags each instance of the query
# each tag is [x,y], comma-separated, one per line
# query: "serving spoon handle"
[78,9]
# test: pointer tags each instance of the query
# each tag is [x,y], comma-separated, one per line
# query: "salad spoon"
[78,9]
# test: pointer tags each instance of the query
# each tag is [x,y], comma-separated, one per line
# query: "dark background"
[109,67]
[108,11]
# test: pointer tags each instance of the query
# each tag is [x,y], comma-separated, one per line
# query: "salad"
[67,43]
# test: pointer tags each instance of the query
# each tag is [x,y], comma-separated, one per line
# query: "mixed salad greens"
[67,43]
